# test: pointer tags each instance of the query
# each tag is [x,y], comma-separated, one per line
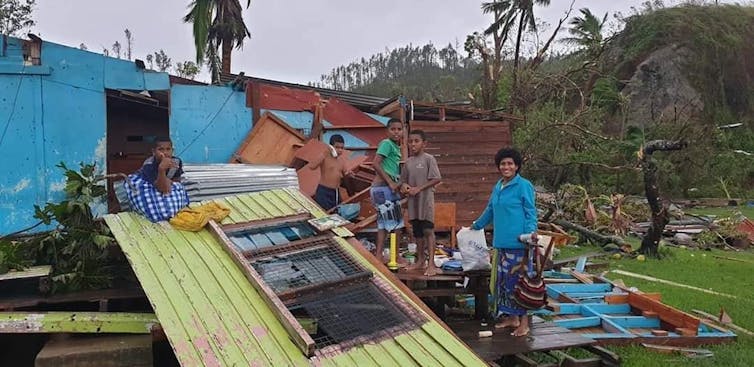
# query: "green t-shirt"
[391,157]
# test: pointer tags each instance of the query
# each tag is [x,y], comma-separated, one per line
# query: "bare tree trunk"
[227,49]
[517,55]
[651,241]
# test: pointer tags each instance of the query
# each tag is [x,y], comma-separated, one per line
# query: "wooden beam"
[298,335]
[266,223]
[31,272]
[77,322]
[656,280]
[672,316]
[10,303]
[354,198]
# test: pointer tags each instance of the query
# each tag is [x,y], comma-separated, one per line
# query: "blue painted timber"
[54,112]
[580,322]
[580,264]
[629,322]
[594,309]
[613,327]
[555,290]
[609,335]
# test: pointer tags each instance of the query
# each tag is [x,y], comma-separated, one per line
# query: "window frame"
[280,301]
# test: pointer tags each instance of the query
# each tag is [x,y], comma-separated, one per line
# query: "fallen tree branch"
[597,237]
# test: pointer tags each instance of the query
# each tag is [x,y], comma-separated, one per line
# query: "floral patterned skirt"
[502,282]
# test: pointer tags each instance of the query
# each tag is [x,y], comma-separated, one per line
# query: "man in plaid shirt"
[154,190]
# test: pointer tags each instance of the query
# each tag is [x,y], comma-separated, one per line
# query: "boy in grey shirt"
[420,169]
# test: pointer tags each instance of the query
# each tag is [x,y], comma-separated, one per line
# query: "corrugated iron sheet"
[213,316]
[362,101]
[210,181]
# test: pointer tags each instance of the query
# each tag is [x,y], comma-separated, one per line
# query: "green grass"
[698,268]
[724,211]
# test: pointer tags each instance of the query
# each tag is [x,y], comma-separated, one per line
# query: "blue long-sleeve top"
[512,212]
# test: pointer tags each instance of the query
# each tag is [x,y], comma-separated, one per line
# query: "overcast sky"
[291,40]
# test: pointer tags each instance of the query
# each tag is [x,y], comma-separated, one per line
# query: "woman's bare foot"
[431,271]
[510,321]
[523,328]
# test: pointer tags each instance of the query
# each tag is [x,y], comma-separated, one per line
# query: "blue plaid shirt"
[150,202]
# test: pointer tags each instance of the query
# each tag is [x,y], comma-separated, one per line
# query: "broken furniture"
[614,314]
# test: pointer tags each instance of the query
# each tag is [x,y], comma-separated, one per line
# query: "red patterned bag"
[530,292]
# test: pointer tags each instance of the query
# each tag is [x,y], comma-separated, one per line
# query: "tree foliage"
[186,69]
[422,72]
[162,60]
[77,247]
[16,16]
[217,24]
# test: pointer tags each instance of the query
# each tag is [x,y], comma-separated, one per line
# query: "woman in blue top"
[512,213]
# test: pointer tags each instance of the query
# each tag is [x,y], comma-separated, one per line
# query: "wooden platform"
[443,287]
[544,336]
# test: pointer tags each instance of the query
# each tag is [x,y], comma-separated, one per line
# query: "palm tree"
[217,24]
[586,33]
[510,9]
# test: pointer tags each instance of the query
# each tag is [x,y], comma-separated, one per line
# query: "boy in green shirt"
[385,186]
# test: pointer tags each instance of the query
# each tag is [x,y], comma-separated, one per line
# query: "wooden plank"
[77,322]
[31,272]
[656,280]
[634,321]
[502,343]
[580,322]
[666,313]
[266,223]
[616,298]
[300,337]
[271,141]
[583,278]
[598,309]
[9,303]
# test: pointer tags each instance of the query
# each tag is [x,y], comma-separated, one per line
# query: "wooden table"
[441,288]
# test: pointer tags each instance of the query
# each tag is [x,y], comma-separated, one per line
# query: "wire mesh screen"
[357,312]
[305,264]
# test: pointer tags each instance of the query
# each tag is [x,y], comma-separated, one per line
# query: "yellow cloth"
[214,210]
[194,219]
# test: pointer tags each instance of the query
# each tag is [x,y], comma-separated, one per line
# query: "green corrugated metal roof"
[213,316]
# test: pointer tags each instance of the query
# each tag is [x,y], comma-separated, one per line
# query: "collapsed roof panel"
[212,315]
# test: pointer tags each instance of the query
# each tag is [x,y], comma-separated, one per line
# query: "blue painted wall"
[207,123]
[51,113]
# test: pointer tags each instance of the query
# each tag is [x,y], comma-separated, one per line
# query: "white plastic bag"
[473,247]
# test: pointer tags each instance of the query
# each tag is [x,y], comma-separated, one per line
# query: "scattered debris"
[716,320]
[688,352]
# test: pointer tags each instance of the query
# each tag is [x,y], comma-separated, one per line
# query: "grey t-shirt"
[417,171]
